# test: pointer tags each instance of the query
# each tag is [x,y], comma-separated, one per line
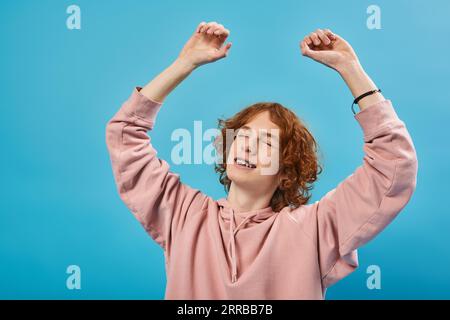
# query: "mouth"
[245,164]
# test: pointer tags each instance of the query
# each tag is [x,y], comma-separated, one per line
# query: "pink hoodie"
[213,252]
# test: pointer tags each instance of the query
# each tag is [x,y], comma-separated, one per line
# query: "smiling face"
[293,164]
[253,160]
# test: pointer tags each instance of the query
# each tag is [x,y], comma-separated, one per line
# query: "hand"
[206,44]
[329,49]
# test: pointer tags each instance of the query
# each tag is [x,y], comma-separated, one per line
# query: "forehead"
[261,121]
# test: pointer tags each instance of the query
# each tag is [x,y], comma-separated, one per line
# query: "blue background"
[59,87]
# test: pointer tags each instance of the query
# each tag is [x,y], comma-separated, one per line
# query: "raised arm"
[153,193]
[364,203]
[333,51]
[205,45]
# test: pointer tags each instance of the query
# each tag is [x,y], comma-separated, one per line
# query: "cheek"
[232,172]
[267,156]
[231,154]
[269,162]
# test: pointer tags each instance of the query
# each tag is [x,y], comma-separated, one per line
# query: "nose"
[249,146]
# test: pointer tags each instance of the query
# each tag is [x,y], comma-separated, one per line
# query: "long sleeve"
[364,203]
[153,193]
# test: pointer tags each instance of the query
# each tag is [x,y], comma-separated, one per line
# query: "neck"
[242,199]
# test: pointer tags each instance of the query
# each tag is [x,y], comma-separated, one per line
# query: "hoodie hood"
[237,221]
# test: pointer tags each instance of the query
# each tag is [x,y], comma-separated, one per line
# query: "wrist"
[184,65]
[356,79]
[350,68]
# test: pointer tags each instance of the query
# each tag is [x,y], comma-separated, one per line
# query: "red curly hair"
[299,164]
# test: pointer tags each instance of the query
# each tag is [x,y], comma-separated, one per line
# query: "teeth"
[244,163]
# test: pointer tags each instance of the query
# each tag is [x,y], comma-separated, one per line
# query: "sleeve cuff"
[141,106]
[375,117]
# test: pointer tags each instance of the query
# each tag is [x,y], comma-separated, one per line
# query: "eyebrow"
[268,134]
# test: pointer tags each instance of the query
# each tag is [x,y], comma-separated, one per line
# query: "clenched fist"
[329,49]
[206,44]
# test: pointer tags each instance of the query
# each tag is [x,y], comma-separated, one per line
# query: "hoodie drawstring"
[232,243]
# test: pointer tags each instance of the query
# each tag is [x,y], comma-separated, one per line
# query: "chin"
[237,175]
[250,179]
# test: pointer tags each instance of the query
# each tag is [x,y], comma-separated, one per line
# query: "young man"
[264,241]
